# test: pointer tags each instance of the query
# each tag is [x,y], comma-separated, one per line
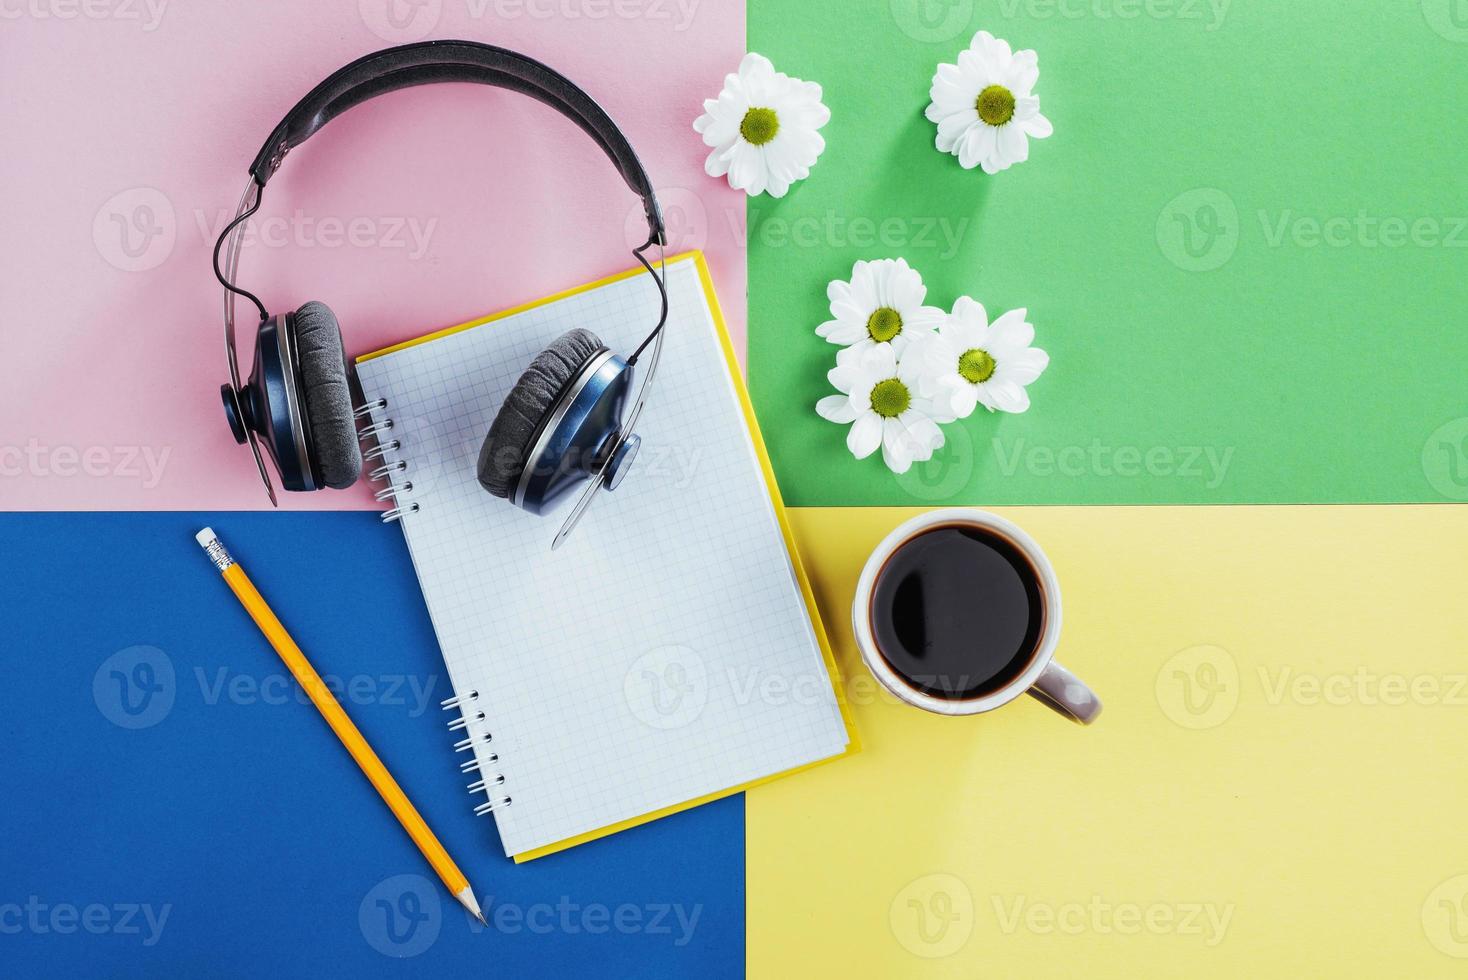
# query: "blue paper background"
[236,808]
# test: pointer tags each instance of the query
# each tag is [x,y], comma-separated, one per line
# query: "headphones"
[561,424]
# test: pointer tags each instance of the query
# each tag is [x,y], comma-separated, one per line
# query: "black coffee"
[958,612]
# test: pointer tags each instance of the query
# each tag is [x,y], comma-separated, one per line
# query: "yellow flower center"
[884,324]
[759,126]
[976,366]
[995,105]
[890,398]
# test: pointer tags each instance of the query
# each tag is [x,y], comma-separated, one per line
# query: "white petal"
[1038,126]
[897,447]
[968,148]
[1007,396]
[717,164]
[1023,367]
[865,435]
[835,408]
[1013,146]
[1010,331]
[840,332]
[963,398]
[880,361]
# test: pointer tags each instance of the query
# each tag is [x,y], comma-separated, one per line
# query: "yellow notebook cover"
[706,284]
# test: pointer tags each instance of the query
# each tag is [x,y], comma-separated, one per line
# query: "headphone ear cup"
[327,396]
[503,456]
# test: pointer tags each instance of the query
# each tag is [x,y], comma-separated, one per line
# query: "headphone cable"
[662,291]
[219,244]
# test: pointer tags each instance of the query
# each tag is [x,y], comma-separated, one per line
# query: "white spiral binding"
[389,471]
[489,783]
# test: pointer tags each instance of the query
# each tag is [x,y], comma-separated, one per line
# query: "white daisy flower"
[971,362]
[763,128]
[882,305]
[985,106]
[880,398]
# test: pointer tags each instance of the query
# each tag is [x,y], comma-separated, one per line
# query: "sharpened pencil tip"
[466,898]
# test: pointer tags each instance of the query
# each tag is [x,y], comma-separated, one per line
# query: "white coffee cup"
[1041,677]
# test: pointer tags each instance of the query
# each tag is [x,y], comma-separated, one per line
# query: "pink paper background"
[423,209]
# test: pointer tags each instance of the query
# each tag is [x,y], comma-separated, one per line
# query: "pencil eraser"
[206,537]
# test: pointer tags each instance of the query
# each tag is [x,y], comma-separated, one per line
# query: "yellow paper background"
[1332,836]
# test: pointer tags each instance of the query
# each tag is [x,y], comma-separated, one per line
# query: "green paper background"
[1296,370]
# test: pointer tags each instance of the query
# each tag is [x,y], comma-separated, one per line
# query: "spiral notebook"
[670,652]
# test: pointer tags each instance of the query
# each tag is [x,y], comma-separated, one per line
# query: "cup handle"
[1066,693]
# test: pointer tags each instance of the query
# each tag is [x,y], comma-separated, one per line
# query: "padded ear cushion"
[327,396]
[502,457]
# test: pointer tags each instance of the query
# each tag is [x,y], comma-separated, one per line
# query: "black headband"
[428,62]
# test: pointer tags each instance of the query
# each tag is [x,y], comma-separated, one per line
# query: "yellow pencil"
[340,723]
